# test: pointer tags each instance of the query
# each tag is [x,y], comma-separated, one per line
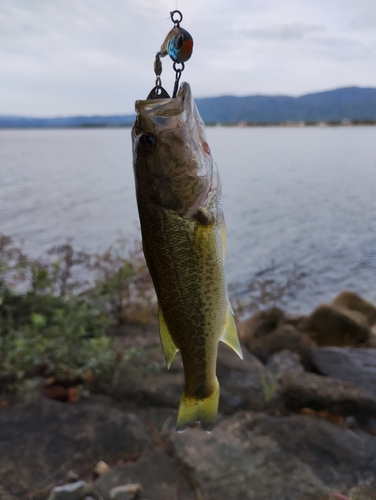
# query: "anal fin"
[168,345]
[230,334]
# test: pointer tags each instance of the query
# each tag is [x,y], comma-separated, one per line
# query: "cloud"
[341,48]
[96,56]
[363,23]
[295,31]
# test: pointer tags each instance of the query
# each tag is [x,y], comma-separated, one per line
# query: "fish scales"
[179,201]
[188,289]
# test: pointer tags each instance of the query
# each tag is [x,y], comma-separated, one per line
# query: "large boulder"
[285,337]
[308,390]
[36,440]
[357,366]
[332,326]
[240,381]
[353,302]
[262,457]
[260,324]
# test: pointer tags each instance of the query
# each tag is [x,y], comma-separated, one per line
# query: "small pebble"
[351,422]
[101,468]
[126,492]
[70,491]
[72,477]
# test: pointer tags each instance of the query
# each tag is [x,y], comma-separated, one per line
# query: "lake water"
[298,202]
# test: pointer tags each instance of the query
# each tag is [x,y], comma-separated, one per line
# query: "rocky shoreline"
[297,420]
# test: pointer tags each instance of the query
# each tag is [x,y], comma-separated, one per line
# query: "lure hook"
[158,92]
[178,72]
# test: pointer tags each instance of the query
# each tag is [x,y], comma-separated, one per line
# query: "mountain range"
[349,103]
[352,103]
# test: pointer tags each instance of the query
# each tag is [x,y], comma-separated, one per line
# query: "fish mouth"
[182,104]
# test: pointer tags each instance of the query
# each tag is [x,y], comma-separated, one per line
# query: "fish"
[178,192]
[178,44]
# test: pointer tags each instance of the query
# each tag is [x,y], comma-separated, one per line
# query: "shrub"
[53,322]
[123,282]
[65,339]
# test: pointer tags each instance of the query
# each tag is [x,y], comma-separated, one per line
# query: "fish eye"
[148,141]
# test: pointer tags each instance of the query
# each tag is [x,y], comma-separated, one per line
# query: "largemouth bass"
[184,238]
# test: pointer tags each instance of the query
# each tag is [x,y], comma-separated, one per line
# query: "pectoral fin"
[168,345]
[230,334]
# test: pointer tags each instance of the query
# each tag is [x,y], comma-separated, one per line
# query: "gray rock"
[334,326]
[260,457]
[357,366]
[36,439]
[158,473]
[70,491]
[240,381]
[308,390]
[284,362]
[146,380]
[285,337]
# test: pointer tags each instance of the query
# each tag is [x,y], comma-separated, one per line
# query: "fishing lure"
[178,44]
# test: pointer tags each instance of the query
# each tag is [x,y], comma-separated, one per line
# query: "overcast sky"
[65,57]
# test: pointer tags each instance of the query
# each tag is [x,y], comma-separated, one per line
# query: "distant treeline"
[350,105]
[68,122]
[341,123]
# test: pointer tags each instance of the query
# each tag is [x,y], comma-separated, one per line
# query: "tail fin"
[198,410]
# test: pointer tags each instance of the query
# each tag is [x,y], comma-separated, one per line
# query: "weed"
[123,281]
[269,384]
[53,323]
